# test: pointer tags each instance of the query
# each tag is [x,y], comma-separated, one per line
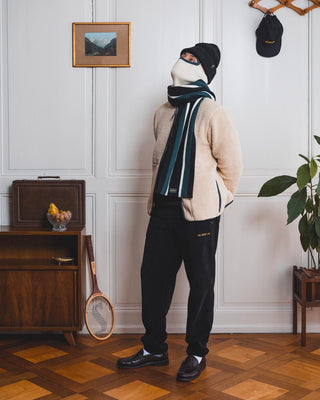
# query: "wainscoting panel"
[267,96]
[259,251]
[48,120]
[158,35]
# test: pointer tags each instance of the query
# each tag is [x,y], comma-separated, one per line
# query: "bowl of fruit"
[58,218]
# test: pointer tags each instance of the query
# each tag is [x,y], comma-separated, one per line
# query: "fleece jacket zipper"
[219,196]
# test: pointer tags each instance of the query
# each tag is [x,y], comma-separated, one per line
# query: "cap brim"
[268,50]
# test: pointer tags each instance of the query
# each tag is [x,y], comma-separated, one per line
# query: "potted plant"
[305,202]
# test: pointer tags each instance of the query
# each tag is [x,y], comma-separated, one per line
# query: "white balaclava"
[185,72]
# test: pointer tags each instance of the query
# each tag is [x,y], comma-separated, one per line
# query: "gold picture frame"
[101,44]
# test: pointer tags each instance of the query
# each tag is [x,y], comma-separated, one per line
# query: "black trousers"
[171,239]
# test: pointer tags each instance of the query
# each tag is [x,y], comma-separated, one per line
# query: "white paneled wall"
[96,124]
[49,114]
[268,96]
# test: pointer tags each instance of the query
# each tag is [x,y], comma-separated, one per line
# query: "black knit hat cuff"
[208,55]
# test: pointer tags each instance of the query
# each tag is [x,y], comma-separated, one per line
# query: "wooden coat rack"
[284,3]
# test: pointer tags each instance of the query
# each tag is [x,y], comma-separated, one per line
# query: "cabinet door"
[38,298]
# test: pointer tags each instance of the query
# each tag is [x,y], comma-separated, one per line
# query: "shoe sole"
[159,363]
[183,379]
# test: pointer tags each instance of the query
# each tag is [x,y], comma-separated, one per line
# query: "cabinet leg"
[295,319]
[69,338]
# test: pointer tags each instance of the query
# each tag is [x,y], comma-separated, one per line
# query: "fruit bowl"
[59,220]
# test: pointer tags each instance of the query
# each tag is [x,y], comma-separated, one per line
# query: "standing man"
[197,165]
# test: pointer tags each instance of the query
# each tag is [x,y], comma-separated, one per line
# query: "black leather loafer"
[139,360]
[190,369]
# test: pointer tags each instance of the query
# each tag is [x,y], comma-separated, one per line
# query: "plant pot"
[311,276]
[306,291]
[311,272]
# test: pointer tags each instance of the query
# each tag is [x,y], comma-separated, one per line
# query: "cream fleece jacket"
[218,159]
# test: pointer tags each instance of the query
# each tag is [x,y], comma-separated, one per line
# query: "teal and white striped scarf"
[176,170]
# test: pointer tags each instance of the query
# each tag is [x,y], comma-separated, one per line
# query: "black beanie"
[208,55]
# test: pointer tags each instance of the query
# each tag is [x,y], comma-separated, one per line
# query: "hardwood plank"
[316,352]
[136,390]
[255,390]
[83,372]
[40,353]
[127,352]
[22,390]
[309,376]
[239,353]
[311,396]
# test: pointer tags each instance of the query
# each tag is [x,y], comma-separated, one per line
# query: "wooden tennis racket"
[99,314]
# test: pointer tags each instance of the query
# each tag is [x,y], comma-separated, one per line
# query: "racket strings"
[99,316]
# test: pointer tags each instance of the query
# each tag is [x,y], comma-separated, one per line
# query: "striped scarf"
[176,169]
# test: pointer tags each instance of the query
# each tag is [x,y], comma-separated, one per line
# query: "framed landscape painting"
[101,44]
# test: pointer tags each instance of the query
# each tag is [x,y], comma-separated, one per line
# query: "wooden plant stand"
[306,291]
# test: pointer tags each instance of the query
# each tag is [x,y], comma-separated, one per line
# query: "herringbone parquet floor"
[239,366]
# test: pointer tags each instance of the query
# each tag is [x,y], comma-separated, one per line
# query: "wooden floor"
[239,366]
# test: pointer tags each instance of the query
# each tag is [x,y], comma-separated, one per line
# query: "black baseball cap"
[269,35]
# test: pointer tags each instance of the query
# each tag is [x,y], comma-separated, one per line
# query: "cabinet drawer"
[38,298]
[66,194]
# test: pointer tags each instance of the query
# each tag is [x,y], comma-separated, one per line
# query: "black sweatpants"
[170,238]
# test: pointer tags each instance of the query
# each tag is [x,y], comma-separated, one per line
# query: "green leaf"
[296,204]
[313,237]
[317,226]
[318,186]
[304,225]
[317,138]
[304,232]
[313,168]
[306,158]
[309,205]
[276,185]
[303,176]
[304,240]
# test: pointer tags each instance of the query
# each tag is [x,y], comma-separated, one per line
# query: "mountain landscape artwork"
[100,44]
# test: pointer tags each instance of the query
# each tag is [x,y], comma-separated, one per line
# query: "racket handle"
[89,248]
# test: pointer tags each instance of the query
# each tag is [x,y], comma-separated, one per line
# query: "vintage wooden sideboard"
[36,293]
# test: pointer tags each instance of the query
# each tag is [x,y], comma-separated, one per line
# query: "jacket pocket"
[219,195]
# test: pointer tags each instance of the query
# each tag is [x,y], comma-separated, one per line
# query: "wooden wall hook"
[299,10]
[284,3]
[255,4]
